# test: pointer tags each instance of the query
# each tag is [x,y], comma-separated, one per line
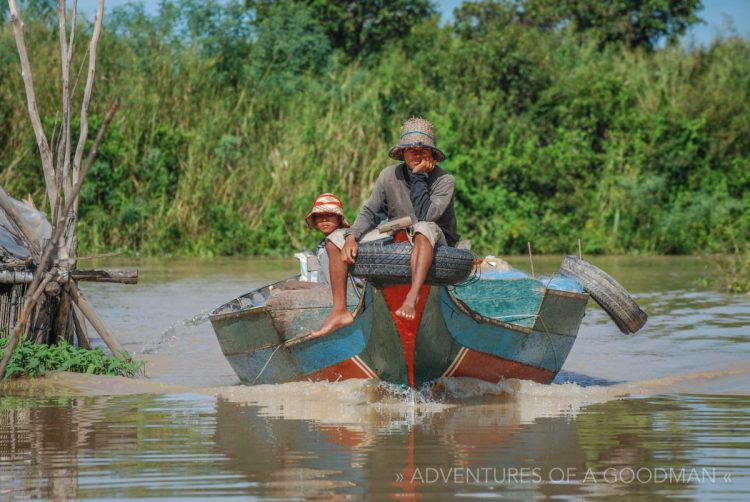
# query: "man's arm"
[430,207]
[367,219]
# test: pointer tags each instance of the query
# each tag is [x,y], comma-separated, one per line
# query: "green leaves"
[34,360]
[556,122]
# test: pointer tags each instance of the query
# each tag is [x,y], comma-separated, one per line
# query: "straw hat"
[416,132]
[326,203]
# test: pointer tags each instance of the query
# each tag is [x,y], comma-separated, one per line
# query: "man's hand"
[426,165]
[349,251]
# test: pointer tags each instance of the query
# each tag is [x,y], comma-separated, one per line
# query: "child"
[327,215]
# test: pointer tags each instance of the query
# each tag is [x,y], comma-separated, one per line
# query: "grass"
[34,360]
[735,271]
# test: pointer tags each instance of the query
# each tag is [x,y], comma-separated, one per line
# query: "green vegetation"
[35,360]
[735,270]
[560,121]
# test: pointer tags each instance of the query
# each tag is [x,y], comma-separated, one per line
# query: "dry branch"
[36,123]
[84,128]
[63,148]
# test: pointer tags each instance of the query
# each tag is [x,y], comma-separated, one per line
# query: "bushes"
[230,127]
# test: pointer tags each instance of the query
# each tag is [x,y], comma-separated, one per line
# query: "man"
[417,187]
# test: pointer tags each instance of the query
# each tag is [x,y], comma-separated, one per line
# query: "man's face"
[416,154]
[326,222]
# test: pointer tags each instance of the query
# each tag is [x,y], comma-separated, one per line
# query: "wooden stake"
[81,330]
[580,254]
[88,310]
[63,318]
[531,259]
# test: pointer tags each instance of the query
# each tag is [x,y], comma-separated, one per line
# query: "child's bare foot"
[408,309]
[334,321]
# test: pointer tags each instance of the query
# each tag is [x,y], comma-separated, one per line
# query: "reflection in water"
[368,440]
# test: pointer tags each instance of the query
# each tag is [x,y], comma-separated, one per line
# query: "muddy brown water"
[664,413]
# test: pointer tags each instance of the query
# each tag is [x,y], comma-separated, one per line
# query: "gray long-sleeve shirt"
[397,192]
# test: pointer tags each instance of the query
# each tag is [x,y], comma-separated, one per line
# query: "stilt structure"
[39,266]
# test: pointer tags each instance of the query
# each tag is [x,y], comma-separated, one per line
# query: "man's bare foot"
[334,321]
[408,309]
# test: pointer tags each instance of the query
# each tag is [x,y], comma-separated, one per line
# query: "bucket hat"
[416,132]
[326,203]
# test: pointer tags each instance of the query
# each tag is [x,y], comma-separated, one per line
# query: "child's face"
[326,222]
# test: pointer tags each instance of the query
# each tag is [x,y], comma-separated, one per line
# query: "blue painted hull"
[526,330]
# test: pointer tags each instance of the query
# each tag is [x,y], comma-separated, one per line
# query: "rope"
[354,286]
[474,277]
[266,365]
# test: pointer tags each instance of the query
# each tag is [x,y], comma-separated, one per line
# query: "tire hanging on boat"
[390,264]
[607,292]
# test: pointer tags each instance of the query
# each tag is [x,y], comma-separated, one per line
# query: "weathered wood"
[36,289]
[64,143]
[88,310]
[62,321]
[50,250]
[66,179]
[122,276]
[81,330]
[76,175]
[36,123]
[395,225]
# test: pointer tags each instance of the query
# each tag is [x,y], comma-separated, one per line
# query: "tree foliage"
[633,23]
[234,119]
[359,29]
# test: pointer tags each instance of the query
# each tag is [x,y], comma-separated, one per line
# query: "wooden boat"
[501,325]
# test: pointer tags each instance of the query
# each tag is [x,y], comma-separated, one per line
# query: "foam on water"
[379,403]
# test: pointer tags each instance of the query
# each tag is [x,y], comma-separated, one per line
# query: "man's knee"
[430,231]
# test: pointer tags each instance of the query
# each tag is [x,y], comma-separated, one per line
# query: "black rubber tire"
[389,264]
[607,292]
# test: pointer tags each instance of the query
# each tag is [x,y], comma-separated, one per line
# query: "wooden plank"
[121,276]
